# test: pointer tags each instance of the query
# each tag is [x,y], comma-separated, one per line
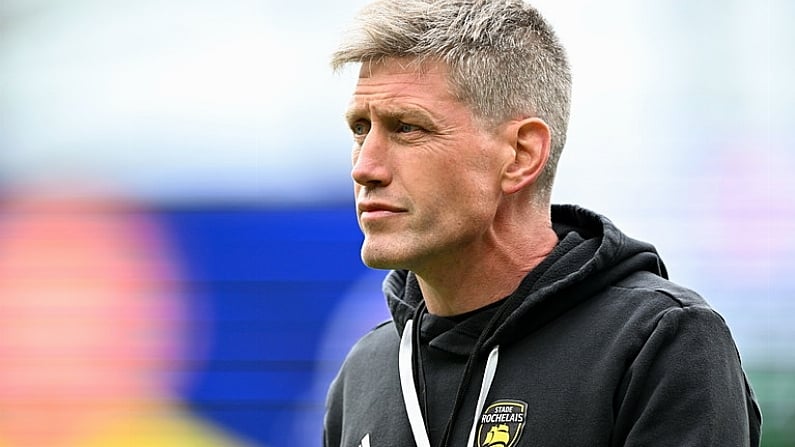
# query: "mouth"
[375,210]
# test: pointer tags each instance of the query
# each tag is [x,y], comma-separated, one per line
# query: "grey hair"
[505,60]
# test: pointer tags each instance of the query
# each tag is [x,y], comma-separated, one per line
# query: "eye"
[407,128]
[360,128]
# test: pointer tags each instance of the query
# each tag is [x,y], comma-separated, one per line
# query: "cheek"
[469,182]
[474,198]
[457,205]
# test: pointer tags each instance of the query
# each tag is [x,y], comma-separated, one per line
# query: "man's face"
[427,176]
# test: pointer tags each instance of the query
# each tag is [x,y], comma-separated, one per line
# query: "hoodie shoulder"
[374,349]
[684,362]
[666,292]
[358,398]
[373,342]
[638,303]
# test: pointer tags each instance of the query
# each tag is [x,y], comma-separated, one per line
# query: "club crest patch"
[501,424]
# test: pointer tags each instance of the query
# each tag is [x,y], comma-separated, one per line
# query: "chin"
[378,263]
[382,259]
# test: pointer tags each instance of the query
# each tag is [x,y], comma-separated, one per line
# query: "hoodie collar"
[591,254]
[404,295]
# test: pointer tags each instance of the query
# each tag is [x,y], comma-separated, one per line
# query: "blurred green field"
[775,390]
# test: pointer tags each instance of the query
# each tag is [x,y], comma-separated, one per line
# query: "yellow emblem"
[501,424]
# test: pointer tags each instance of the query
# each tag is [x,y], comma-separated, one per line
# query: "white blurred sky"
[193,100]
[173,100]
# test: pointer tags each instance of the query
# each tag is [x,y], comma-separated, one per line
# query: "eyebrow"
[388,112]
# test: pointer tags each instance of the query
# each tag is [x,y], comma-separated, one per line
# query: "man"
[514,323]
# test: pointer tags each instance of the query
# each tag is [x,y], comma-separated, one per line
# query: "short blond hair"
[505,60]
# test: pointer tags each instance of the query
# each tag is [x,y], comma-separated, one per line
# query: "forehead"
[395,82]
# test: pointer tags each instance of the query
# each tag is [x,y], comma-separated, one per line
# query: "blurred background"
[178,252]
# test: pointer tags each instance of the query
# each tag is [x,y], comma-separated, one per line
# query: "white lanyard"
[409,389]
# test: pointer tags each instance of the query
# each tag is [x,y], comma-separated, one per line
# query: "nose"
[370,162]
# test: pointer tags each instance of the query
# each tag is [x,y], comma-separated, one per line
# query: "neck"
[491,270]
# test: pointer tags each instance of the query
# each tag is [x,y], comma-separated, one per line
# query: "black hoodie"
[594,348]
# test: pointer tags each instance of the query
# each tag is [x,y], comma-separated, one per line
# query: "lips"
[370,212]
[372,207]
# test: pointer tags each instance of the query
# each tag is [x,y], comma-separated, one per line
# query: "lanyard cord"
[485,386]
[416,359]
[409,389]
[410,397]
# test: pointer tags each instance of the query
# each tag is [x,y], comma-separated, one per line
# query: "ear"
[531,139]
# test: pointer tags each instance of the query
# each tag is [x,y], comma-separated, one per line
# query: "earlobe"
[531,139]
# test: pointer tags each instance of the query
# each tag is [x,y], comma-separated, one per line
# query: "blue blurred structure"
[271,278]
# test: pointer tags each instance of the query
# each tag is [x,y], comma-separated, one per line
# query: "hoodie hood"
[591,255]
